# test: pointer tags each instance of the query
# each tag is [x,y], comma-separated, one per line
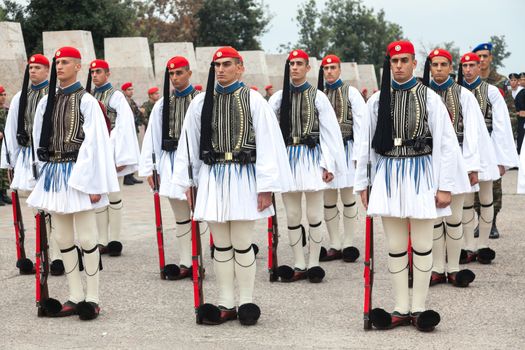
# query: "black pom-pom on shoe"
[50,307]
[88,310]
[114,248]
[208,314]
[486,255]
[315,274]
[380,318]
[25,266]
[350,254]
[57,268]
[426,321]
[249,314]
[285,272]
[171,271]
[461,278]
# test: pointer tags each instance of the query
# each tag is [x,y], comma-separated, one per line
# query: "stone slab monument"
[350,73]
[13,58]
[129,59]
[164,51]
[256,70]
[81,39]
[368,79]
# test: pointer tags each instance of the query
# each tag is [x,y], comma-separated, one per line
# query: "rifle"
[196,252]
[273,242]
[369,251]
[24,264]
[158,217]
[42,263]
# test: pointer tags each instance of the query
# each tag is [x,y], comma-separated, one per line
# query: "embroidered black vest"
[178,107]
[304,118]
[105,97]
[33,97]
[233,136]
[482,95]
[411,132]
[343,109]
[68,135]
[451,97]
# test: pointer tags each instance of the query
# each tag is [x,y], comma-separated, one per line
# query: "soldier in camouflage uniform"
[491,76]
[153,96]
[4,181]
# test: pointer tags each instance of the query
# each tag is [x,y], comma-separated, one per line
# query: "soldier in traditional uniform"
[269,91]
[128,90]
[472,136]
[497,122]
[492,77]
[125,152]
[77,172]
[316,154]
[351,112]
[239,159]
[4,180]
[19,144]
[416,151]
[163,138]
[153,97]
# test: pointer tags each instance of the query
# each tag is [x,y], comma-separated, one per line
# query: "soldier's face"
[332,72]
[99,76]
[298,69]
[440,69]
[402,67]
[129,92]
[38,73]
[269,91]
[155,96]
[485,59]
[180,77]
[514,83]
[3,97]
[470,71]
[67,68]
[227,70]
[522,82]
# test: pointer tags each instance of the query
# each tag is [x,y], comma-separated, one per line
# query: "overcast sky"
[467,23]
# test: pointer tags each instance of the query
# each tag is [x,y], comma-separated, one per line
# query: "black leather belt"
[45,155]
[241,157]
[170,145]
[310,141]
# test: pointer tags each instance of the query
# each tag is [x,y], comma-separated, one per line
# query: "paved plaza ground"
[140,311]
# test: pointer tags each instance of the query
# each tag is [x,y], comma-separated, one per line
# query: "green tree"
[109,18]
[499,50]
[238,23]
[168,20]
[348,29]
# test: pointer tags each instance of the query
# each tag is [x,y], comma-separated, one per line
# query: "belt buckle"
[398,142]
[228,156]
[296,140]
[58,154]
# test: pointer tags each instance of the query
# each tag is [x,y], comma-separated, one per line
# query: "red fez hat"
[329,59]
[298,54]
[226,52]
[126,86]
[253,87]
[198,87]
[2,90]
[98,64]
[68,51]
[153,90]
[267,87]
[177,62]
[400,47]
[469,57]
[440,53]
[39,59]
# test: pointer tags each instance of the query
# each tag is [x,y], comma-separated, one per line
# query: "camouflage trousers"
[4,181]
[496,197]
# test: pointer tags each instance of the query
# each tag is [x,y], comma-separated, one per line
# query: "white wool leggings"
[314,214]
[85,226]
[331,217]
[485,218]
[448,238]
[234,257]
[396,230]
